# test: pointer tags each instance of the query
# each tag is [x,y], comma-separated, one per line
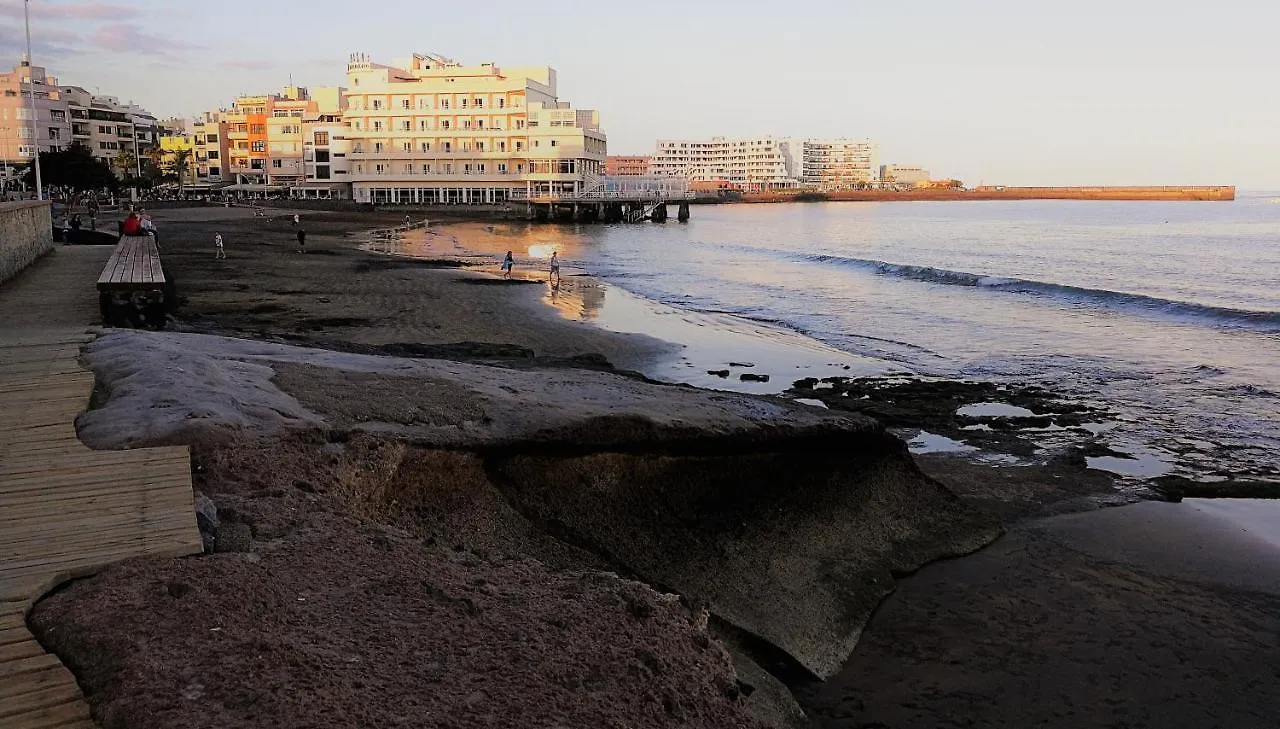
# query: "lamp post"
[31,86]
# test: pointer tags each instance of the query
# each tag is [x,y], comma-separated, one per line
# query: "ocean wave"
[1262,321]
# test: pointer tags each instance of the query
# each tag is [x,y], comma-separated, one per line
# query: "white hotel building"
[760,164]
[433,131]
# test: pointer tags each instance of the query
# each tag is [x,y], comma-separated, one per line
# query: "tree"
[178,161]
[126,163]
[74,167]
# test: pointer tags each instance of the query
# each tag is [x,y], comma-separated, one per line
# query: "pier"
[619,199]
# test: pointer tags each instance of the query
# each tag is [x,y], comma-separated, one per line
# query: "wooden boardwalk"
[66,511]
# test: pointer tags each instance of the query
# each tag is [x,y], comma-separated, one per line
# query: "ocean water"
[1167,313]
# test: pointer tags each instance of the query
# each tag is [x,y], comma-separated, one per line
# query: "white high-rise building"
[432,131]
[839,164]
[754,164]
[760,164]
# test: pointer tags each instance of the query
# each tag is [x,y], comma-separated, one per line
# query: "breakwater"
[1187,193]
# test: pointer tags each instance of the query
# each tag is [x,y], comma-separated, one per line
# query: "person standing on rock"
[508,263]
[217,243]
[302,240]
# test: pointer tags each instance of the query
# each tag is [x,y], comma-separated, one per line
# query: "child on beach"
[508,263]
[217,243]
[554,277]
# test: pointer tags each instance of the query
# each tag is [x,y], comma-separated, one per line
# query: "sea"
[1167,314]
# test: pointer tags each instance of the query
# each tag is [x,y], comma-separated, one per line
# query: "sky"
[1024,92]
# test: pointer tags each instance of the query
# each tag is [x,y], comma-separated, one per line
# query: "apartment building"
[326,158]
[432,131]
[838,164]
[627,165]
[121,135]
[52,125]
[904,174]
[754,164]
[210,142]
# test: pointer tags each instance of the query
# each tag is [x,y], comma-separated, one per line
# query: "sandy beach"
[441,498]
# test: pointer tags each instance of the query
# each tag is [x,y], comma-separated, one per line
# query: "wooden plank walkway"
[65,510]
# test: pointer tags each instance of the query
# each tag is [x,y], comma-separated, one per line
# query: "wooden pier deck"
[65,510]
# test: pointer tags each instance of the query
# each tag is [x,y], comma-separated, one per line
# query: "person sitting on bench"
[132,225]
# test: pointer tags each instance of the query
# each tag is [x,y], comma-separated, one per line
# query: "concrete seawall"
[26,233]
[1183,193]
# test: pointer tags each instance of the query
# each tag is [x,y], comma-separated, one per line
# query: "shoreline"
[316,473]
[1189,193]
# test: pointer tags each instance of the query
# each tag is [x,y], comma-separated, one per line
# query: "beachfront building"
[753,164]
[19,132]
[432,131]
[265,139]
[904,175]
[210,140]
[121,135]
[627,165]
[326,156]
[839,164]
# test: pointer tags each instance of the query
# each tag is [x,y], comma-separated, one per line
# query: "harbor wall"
[1202,193]
[26,233]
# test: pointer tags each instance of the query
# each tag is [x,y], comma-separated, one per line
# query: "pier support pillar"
[682,213]
[659,214]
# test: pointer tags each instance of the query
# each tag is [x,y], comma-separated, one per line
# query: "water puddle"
[926,442]
[1139,465]
[993,410]
[810,401]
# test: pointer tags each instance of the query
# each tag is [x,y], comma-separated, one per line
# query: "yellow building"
[431,131]
[170,146]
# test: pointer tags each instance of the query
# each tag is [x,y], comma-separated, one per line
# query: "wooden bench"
[133,289]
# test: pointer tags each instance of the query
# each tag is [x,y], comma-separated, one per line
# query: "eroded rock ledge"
[786,522]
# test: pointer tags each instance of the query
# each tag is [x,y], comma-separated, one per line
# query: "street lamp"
[31,86]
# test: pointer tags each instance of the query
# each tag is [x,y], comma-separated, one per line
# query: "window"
[258,145]
[380,169]
[502,168]
[519,146]
[407,146]
[408,169]
[322,155]
[215,171]
[213,154]
[322,172]
[448,146]
[426,169]
[377,126]
[377,147]
[377,103]
[101,129]
[256,164]
[448,168]
[479,146]
[480,124]
[422,125]
[444,124]
[277,163]
[502,146]
[322,139]
[444,103]
[479,103]
[480,168]
[466,123]
[466,169]
[404,104]
[406,125]
[257,128]
[466,146]
[519,123]
[55,114]
[426,146]
[464,103]
[554,143]
[502,103]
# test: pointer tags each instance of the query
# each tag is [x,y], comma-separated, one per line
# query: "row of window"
[450,146]
[406,125]
[425,102]
[445,168]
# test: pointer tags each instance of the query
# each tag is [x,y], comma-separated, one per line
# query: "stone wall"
[26,233]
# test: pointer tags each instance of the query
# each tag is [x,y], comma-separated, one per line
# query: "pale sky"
[996,91]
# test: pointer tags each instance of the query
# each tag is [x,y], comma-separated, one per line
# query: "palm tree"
[179,160]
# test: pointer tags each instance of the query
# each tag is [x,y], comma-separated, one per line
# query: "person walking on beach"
[302,240]
[296,220]
[508,263]
[554,277]
[217,243]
